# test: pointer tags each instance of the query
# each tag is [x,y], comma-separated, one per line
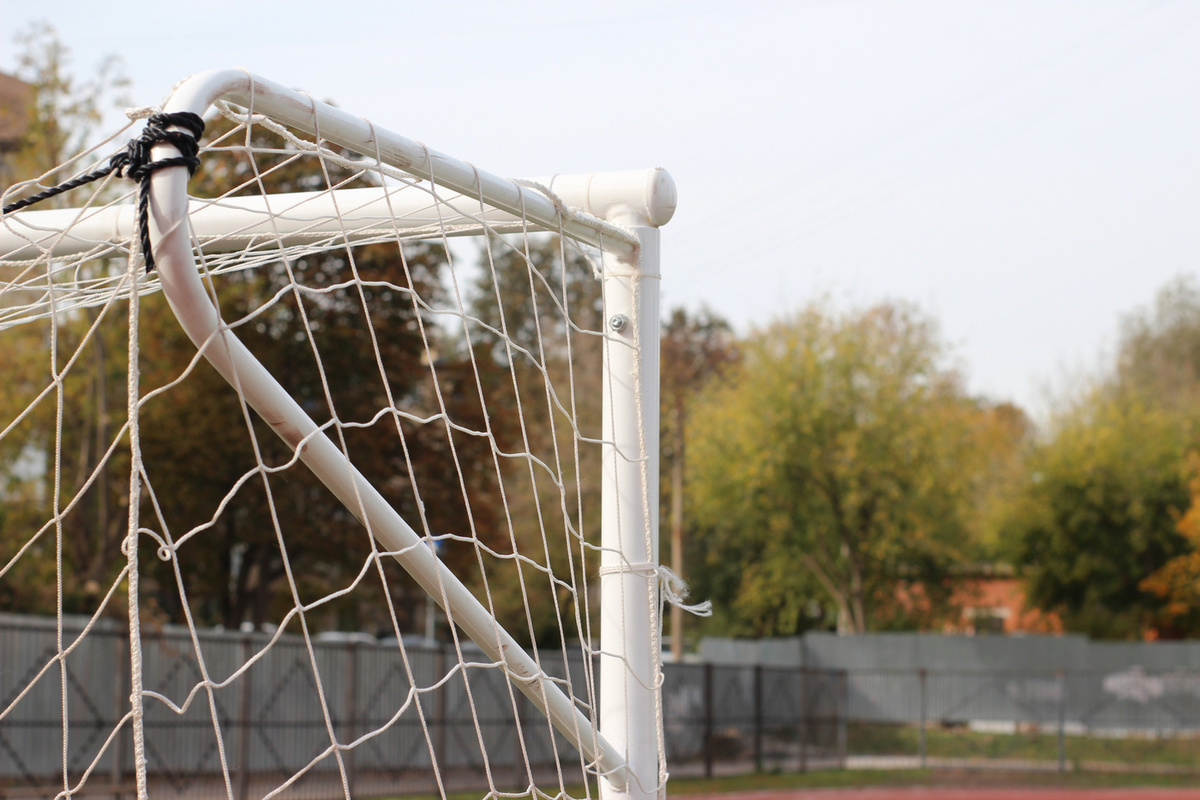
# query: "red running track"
[961,793]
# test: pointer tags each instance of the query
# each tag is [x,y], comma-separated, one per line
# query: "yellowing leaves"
[838,462]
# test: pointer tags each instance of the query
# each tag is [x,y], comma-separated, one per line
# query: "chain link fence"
[268,723]
[735,719]
[274,719]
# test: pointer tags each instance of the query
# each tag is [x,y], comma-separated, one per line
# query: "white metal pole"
[630,714]
[238,223]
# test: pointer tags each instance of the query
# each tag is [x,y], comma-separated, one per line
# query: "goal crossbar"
[333,125]
[352,216]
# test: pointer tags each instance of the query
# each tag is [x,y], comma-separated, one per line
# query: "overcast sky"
[1026,171]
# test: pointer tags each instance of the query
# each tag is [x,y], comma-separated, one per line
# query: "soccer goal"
[327,470]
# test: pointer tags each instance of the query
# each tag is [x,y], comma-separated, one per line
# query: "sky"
[1027,172]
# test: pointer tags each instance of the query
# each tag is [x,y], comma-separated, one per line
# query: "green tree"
[833,467]
[343,354]
[63,111]
[1095,525]
[1159,353]
[1177,582]
[1098,513]
[696,348]
[544,380]
[59,120]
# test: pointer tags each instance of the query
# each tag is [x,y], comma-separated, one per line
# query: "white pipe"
[334,125]
[185,293]
[235,223]
[629,713]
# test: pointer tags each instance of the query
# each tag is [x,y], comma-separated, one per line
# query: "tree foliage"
[1177,582]
[217,490]
[1159,353]
[696,348]
[63,111]
[832,468]
[60,118]
[543,375]
[342,355]
[1097,524]
[1098,513]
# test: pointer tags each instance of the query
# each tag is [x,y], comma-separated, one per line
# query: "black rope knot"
[134,163]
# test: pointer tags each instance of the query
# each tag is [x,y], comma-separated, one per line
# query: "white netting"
[148,515]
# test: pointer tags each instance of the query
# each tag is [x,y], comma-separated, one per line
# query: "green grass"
[849,778]
[1091,762]
[835,779]
[1031,746]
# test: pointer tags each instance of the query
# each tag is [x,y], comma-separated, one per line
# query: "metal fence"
[718,719]
[273,720]
[726,719]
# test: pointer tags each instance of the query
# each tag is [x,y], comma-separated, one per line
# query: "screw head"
[618,322]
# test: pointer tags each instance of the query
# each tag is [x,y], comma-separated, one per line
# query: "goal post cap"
[648,195]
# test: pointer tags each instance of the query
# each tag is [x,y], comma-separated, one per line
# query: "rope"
[674,588]
[134,163]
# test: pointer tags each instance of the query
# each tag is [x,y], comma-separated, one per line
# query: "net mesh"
[147,515]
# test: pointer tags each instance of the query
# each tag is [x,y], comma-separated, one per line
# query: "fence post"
[244,723]
[708,720]
[843,716]
[521,759]
[351,705]
[1062,721]
[921,743]
[121,704]
[803,709]
[441,704]
[758,718]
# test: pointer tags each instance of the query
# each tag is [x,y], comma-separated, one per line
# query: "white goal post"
[388,191]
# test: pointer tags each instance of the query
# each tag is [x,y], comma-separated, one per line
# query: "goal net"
[342,483]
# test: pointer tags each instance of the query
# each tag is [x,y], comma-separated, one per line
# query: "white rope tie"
[141,112]
[643,570]
[559,205]
[675,589]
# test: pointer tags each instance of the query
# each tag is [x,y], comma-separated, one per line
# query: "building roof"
[14,109]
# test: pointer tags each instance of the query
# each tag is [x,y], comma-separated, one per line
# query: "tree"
[1097,523]
[833,468]
[343,356]
[544,380]
[1159,353]
[1098,513]
[59,120]
[1177,582]
[695,349]
[63,111]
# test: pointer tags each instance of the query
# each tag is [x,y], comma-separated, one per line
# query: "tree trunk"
[857,606]
[677,528]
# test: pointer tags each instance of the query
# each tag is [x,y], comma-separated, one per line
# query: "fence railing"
[717,719]
[724,719]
